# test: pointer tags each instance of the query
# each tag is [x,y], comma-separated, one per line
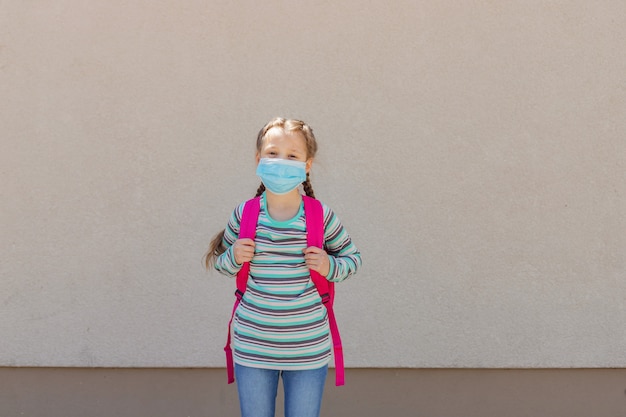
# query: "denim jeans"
[258,388]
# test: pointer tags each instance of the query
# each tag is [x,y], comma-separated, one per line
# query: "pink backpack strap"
[314,215]
[247,229]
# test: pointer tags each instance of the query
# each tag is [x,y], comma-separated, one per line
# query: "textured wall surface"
[476,152]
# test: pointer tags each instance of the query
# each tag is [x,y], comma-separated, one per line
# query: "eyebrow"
[292,150]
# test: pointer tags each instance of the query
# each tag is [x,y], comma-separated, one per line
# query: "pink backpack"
[314,217]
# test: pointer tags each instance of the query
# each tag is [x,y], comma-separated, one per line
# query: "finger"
[312,249]
[240,248]
[246,242]
[246,250]
[245,258]
[313,262]
[311,257]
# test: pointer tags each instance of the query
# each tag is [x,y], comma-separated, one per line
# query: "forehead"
[277,137]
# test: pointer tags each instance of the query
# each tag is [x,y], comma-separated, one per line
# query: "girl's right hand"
[243,249]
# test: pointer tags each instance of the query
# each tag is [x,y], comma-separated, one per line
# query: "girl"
[281,326]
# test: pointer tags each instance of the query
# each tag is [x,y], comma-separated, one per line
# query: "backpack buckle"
[325,298]
[238,294]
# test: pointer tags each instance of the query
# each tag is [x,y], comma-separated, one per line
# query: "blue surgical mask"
[281,176]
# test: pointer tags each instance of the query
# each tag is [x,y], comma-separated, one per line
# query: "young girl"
[281,326]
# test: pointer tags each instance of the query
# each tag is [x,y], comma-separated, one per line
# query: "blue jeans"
[258,387]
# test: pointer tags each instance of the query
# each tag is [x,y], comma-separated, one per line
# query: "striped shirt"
[281,322]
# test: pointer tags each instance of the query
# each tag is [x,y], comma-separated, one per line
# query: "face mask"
[281,175]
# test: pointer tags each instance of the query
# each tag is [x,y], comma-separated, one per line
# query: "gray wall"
[474,150]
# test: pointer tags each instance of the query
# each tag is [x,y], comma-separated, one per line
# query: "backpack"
[314,218]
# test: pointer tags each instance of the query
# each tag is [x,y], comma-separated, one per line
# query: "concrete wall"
[474,150]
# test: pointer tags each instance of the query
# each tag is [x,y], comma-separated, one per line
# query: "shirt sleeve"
[345,258]
[225,263]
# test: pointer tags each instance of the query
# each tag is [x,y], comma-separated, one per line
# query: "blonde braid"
[308,188]
[260,190]
[216,248]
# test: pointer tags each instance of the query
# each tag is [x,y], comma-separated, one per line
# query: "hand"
[243,249]
[317,260]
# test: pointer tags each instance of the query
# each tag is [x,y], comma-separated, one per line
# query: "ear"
[257,157]
[309,164]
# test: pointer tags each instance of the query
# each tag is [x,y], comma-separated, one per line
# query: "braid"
[216,247]
[260,190]
[308,188]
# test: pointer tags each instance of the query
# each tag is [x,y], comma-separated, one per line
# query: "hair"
[216,247]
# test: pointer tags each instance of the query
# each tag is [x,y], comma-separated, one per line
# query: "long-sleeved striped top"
[281,322]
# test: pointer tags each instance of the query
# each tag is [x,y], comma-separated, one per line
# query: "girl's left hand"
[317,260]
